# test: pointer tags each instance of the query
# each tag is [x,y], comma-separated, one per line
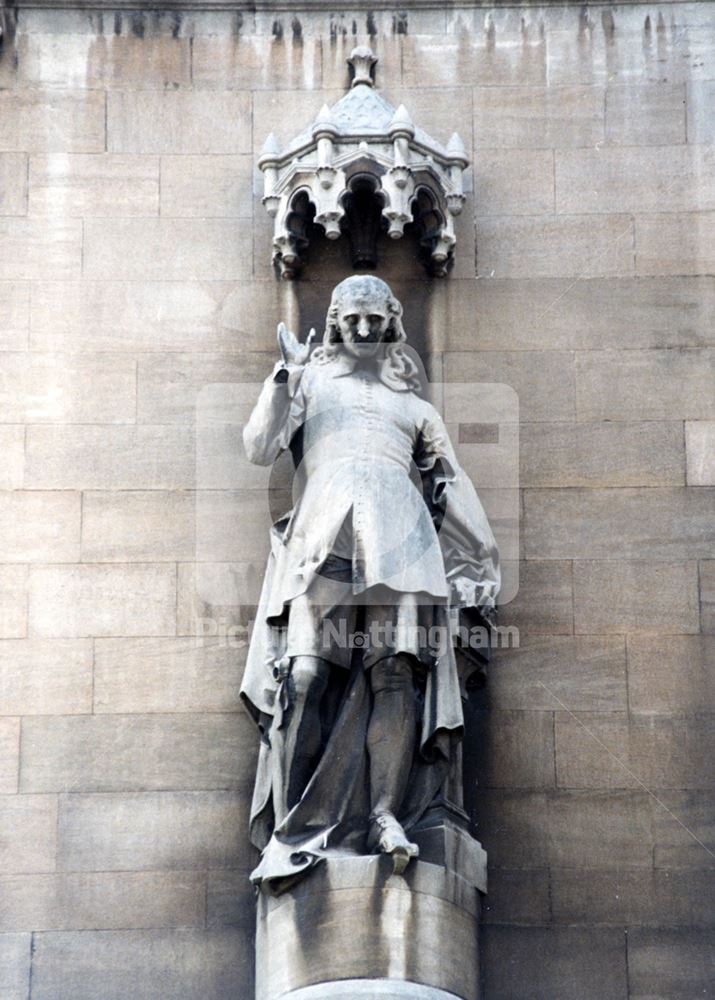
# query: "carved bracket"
[363,167]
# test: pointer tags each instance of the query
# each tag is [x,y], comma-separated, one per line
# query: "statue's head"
[363,315]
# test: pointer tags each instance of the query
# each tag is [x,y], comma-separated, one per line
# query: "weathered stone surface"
[426,105]
[189,964]
[256,62]
[700,123]
[616,751]
[577,673]
[675,243]
[614,524]
[286,112]
[671,674]
[40,526]
[9,756]
[575,246]
[147,248]
[684,830]
[178,122]
[592,829]
[543,381]
[543,604]
[102,900]
[449,61]
[517,896]
[230,902]
[670,964]
[207,186]
[15,307]
[602,454]
[13,602]
[40,248]
[62,121]
[534,117]
[45,676]
[15,961]
[13,184]
[153,830]
[633,898]
[106,457]
[707,596]
[94,185]
[141,526]
[105,600]
[12,448]
[647,115]
[134,753]
[28,833]
[218,597]
[513,827]
[526,962]
[636,596]
[67,388]
[515,749]
[515,182]
[700,449]
[645,385]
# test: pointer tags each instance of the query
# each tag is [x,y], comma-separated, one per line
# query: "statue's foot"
[387,835]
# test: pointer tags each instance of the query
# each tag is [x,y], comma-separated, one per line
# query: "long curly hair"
[402,368]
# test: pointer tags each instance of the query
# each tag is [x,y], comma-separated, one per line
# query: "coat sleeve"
[469,550]
[276,416]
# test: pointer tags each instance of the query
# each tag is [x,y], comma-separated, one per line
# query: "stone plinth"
[351,928]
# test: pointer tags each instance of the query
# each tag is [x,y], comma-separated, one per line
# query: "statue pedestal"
[352,929]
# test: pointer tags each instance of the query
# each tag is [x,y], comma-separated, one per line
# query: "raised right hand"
[293,352]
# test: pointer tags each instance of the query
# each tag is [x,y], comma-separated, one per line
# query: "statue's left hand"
[293,352]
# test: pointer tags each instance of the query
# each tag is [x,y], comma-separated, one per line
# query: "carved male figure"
[359,712]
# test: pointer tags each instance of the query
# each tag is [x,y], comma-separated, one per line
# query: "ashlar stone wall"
[135,278]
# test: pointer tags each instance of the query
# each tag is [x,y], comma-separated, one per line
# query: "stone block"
[700,450]
[168,675]
[139,526]
[567,246]
[40,248]
[443,842]
[104,600]
[97,60]
[513,827]
[670,964]
[135,753]
[426,106]
[9,756]
[218,598]
[517,896]
[28,834]
[543,604]
[107,457]
[450,62]
[515,749]
[522,963]
[45,676]
[514,182]
[539,314]
[257,62]
[636,596]
[707,596]
[15,309]
[615,524]
[675,243]
[175,249]
[616,751]
[635,179]
[602,454]
[12,448]
[646,385]
[684,830]
[62,388]
[646,115]
[13,602]
[57,121]
[84,185]
[671,674]
[178,122]
[700,124]
[13,184]
[543,381]
[574,673]
[103,900]
[285,113]
[600,829]
[148,316]
[207,186]
[234,525]
[538,117]
[230,902]
[15,959]
[633,898]
[175,831]
[183,964]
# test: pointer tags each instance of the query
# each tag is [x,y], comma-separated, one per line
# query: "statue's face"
[363,320]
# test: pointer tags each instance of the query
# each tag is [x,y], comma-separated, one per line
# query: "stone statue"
[351,674]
